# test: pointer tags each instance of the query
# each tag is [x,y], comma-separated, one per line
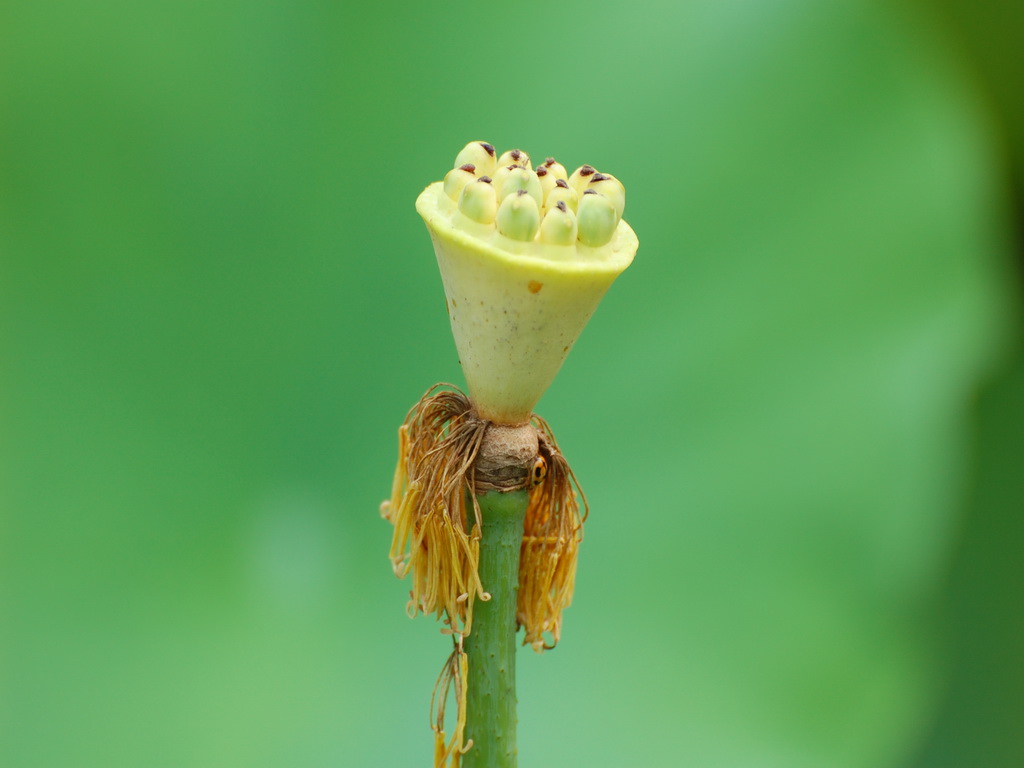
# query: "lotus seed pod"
[581,178]
[514,157]
[519,297]
[558,226]
[519,216]
[480,154]
[596,219]
[478,201]
[610,187]
[555,168]
[521,179]
[457,178]
[562,193]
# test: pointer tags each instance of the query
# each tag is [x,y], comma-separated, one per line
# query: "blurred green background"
[798,417]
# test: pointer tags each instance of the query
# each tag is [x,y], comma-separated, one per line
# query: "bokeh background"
[799,416]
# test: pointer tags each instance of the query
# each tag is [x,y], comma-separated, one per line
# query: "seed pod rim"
[436,208]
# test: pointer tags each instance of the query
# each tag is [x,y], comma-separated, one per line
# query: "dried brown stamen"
[448,455]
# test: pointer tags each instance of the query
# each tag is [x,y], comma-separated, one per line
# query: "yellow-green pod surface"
[516,308]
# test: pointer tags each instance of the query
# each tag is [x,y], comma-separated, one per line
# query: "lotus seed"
[555,168]
[456,179]
[480,154]
[519,216]
[558,226]
[515,157]
[521,179]
[581,178]
[610,187]
[478,202]
[561,193]
[596,219]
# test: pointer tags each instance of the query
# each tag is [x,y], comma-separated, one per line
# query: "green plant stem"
[491,644]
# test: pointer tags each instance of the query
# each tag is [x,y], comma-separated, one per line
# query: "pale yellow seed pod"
[479,154]
[596,219]
[478,202]
[561,193]
[521,178]
[514,157]
[519,216]
[558,226]
[581,178]
[610,187]
[457,178]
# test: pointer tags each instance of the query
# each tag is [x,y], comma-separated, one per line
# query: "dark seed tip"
[488,147]
[485,179]
[600,177]
[560,205]
[590,192]
[550,161]
[542,171]
[561,183]
[586,170]
[516,154]
[520,192]
[468,167]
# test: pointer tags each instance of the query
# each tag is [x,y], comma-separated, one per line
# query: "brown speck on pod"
[587,170]
[590,192]
[542,171]
[600,177]
[485,179]
[488,147]
[516,154]
[565,348]
[560,205]
[562,183]
[468,167]
[550,161]
[534,286]
[520,192]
